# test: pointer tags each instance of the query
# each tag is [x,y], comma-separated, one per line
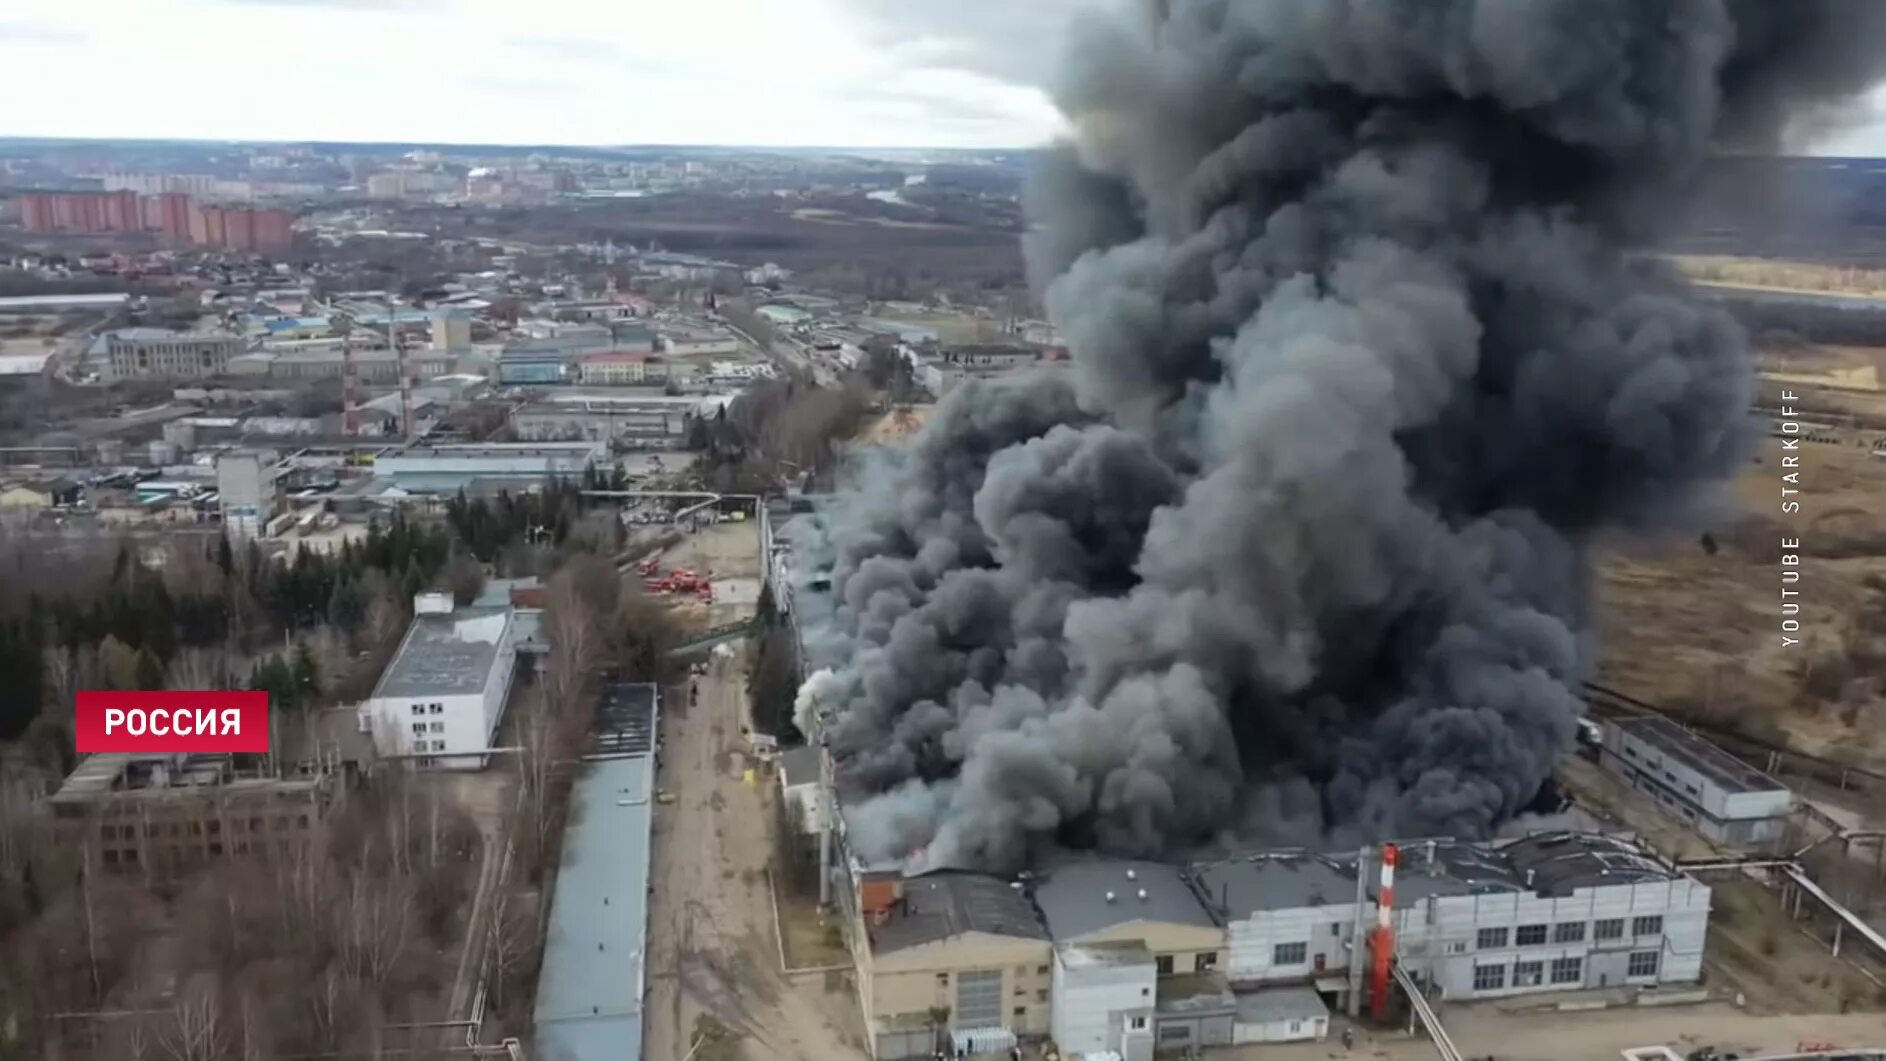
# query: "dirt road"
[712,948]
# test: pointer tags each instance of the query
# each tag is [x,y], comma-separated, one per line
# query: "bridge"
[712,636]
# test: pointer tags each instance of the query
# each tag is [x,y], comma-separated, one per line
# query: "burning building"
[1296,550]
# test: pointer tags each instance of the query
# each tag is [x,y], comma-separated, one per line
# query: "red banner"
[167,722]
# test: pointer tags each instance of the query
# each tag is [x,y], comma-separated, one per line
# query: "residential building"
[800,786]
[1724,798]
[81,212]
[156,353]
[164,814]
[953,961]
[442,696]
[1553,912]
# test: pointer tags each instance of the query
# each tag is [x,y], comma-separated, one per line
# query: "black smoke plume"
[1296,548]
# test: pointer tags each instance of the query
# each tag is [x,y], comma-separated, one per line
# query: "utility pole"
[350,376]
[405,375]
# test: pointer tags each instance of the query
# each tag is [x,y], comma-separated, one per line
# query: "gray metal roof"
[445,655]
[1723,770]
[1280,1003]
[1073,896]
[625,721]
[1561,863]
[799,766]
[937,906]
[589,996]
[1449,867]
[1282,881]
[1195,995]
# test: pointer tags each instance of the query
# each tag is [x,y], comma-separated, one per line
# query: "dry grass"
[1773,275]
[1702,631]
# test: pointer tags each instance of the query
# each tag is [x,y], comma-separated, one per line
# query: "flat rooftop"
[446,655]
[1084,896]
[1723,770]
[1280,881]
[1561,863]
[589,996]
[121,775]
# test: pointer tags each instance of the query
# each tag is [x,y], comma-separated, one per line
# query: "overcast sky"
[865,73]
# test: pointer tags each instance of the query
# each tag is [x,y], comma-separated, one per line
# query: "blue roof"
[589,998]
[288,323]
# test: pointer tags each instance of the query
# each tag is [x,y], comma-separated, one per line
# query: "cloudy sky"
[866,73]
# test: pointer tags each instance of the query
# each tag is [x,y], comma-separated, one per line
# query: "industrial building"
[1720,796]
[800,785]
[447,469]
[1555,912]
[1147,956]
[164,814]
[951,961]
[156,353]
[442,696]
[594,973]
[651,419]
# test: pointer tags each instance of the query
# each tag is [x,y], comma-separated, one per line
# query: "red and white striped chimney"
[1382,941]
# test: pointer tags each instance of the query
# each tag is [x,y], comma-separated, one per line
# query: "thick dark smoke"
[1296,548]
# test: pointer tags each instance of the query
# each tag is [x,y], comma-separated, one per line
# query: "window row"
[1562,971]
[1568,932]
[428,709]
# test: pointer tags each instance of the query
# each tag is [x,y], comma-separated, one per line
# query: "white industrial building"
[1554,912]
[442,696]
[1102,1000]
[653,419]
[799,779]
[1722,797]
[420,467]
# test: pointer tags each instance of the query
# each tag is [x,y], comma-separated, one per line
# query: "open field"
[1768,274]
[1695,625]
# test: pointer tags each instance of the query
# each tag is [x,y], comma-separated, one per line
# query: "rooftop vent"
[1109,896]
[1142,895]
[1132,874]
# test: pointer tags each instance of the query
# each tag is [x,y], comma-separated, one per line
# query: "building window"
[1528,974]
[1290,954]
[942,979]
[438,709]
[438,727]
[1489,977]
[418,710]
[1041,970]
[1205,961]
[1172,1033]
[1647,926]
[1568,932]
[1335,928]
[419,727]
[1136,1024]
[1609,928]
[1457,947]
[1041,995]
[1568,970]
[1491,939]
[1163,965]
[1021,1012]
[1529,936]
[1643,963]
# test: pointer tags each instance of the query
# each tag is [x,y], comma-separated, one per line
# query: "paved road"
[712,945]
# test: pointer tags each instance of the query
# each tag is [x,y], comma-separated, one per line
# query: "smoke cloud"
[1296,547]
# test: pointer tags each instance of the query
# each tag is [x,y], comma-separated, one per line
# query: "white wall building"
[1719,795]
[1102,999]
[442,696]
[799,784]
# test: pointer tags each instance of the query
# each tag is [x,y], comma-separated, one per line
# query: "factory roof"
[1083,897]
[1195,994]
[1280,881]
[1280,1003]
[1561,863]
[1450,867]
[1723,770]
[589,995]
[31,303]
[799,766]
[446,654]
[940,905]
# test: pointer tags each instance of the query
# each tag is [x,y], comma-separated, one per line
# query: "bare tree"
[194,1029]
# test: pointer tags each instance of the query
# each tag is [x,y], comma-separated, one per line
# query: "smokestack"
[1383,942]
